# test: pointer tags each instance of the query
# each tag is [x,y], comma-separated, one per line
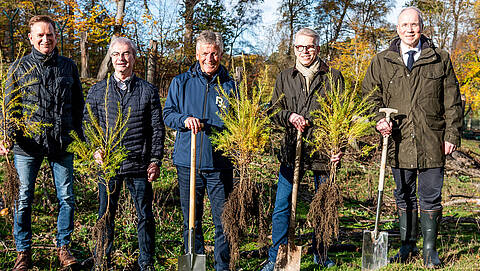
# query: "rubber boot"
[408,222]
[430,220]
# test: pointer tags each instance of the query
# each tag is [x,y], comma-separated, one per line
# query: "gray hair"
[210,37]
[126,41]
[309,32]
[419,13]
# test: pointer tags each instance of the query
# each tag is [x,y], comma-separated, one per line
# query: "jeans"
[27,169]
[282,210]
[430,183]
[142,195]
[219,184]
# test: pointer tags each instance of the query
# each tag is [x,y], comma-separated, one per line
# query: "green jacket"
[428,103]
[289,96]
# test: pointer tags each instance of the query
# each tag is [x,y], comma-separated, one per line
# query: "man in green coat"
[417,79]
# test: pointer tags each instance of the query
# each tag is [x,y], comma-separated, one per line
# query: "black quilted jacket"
[57,93]
[145,129]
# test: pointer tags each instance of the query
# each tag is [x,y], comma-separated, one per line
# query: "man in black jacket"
[295,96]
[57,94]
[143,140]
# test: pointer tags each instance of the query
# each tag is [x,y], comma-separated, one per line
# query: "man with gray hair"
[143,141]
[417,79]
[295,96]
[192,105]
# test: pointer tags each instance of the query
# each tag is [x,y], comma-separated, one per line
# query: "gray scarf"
[308,72]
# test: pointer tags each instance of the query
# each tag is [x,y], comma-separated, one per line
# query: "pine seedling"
[245,134]
[342,118]
[106,141]
[16,118]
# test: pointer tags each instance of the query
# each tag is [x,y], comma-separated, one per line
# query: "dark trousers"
[142,195]
[430,183]
[218,184]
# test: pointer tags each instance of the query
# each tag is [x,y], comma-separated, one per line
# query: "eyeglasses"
[302,48]
[124,54]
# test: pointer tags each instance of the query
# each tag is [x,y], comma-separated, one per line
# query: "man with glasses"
[143,141]
[295,95]
[417,79]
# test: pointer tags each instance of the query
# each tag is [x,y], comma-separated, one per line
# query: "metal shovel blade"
[288,258]
[374,251]
[191,262]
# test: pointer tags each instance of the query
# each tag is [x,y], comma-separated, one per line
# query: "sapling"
[104,142]
[342,118]
[15,119]
[245,134]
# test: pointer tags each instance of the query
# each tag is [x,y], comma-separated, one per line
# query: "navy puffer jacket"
[57,94]
[192,94]
[146,132]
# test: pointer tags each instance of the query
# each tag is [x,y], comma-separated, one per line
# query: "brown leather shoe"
[65,257]
[24,260]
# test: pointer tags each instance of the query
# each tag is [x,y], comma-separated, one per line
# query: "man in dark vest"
[143,141]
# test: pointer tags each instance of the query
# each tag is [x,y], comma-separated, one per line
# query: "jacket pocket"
[436,123]
[432,85]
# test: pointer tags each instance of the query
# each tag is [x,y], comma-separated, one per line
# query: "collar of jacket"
[46,59]
[324,68]
[130,82]
[196,71]
[393,52]
[426,43]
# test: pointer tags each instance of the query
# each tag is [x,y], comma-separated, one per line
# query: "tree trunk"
[84,55]
[117,31]
[152,61]
[291,28]
[188,19]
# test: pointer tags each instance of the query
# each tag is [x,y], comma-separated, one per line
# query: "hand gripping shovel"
[192,261]
[289,255]
[375,244]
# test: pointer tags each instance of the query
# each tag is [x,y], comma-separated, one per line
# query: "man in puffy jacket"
[417,79]
[57,94]
[194,99]
[295,96]
[143,141]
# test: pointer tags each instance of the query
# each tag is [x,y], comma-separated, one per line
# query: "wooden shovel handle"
[296,177]
[193,165]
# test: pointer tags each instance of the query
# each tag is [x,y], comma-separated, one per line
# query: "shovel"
[375,244]
[192,261]
[289,255]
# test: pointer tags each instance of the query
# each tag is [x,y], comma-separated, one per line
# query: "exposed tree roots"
[11,187]
[99,234]
[323,214]
[243,210]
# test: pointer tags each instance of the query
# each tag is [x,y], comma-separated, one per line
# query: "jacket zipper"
[202,132]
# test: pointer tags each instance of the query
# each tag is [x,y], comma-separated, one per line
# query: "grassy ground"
[459,241]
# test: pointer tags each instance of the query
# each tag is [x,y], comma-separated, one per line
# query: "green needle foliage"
[107,141]
[342,118]
[244,136]
[16,117]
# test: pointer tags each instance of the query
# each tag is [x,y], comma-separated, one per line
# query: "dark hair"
[42,18]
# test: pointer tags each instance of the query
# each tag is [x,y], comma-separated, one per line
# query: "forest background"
[351,31]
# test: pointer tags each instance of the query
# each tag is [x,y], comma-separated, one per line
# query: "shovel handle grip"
[381,178]
[193,165]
